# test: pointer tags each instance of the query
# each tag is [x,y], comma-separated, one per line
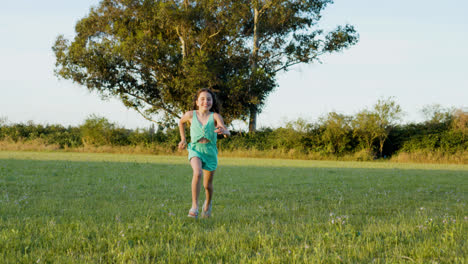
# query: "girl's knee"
[208,186]
[197,174]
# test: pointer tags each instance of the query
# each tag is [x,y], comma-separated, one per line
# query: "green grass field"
[104,208]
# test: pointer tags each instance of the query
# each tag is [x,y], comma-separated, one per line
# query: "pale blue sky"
[415,51]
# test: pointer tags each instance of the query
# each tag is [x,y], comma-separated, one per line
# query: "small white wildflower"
[332,214]
[306,246]
[422,208]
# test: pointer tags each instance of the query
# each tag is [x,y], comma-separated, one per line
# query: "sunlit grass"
[77,207]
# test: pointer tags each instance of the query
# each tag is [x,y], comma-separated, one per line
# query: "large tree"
[154,55]
[284,34]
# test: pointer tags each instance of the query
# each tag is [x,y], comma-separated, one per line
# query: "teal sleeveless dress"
[206,152]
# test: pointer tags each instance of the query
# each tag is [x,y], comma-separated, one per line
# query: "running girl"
[205,123]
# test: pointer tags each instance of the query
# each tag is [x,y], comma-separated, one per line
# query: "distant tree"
[3,120]
[460,122]
[335,135]
[153,55]
[436,114]
[388,113]
[366,129]
[300,125]
[96,131]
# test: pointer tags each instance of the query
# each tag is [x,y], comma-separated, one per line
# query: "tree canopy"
[154,55]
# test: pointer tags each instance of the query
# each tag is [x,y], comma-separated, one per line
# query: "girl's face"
[204,101]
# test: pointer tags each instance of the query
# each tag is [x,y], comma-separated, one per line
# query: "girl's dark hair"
[214,107]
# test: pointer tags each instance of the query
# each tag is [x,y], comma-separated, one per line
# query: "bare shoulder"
[217,117]
[189,114]
[187,117]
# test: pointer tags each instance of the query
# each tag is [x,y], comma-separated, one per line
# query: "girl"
[205,122]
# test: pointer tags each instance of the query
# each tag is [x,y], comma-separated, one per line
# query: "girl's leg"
[208,184]
[197,174]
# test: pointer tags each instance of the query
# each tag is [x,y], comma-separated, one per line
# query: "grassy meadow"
[115,208]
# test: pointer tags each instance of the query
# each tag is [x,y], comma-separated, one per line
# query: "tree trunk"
[253,120]
[254,110]
[183,46]
[381,144]
[182,34]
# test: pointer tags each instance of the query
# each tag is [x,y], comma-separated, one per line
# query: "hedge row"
[306,138]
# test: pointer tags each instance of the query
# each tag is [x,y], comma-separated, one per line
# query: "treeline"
[95,134]
[368,135]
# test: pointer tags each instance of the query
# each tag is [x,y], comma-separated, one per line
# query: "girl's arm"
[185,118]
[221,129]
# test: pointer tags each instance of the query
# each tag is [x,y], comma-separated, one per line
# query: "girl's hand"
[220,127]
[182,144]
[221,131]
